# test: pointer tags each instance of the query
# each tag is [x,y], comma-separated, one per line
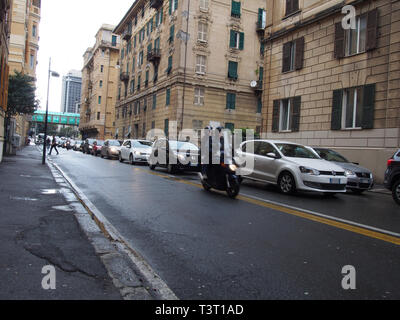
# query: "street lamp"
[53,74]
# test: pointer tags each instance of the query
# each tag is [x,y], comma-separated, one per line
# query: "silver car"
[111,149]
[136,151]
[290,166]
[359,179]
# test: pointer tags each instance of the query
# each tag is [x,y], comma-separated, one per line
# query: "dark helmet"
[220,129]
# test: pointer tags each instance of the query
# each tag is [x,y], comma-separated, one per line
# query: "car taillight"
[390,162]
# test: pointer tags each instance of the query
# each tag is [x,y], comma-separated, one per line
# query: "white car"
[135,151]
[291,167]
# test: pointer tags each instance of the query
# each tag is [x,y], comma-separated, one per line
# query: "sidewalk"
[39,228]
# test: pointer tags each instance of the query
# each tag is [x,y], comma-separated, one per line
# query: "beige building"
[330,86]
[5,19]
[99,85]
[190,65]
[24,46]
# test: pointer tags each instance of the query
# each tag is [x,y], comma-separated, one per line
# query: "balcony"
[257,86]
[156,4]
[124,76]
[127,34]
[88,112]
[260,28]
[154,55]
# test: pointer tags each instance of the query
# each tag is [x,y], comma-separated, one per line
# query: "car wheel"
[286,183]
[396,192]
[171,168]
[152,166]
[120,158]
[131,160]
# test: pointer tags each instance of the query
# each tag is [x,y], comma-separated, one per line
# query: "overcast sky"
[67,29]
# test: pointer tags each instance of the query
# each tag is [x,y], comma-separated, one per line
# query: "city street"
[264,245]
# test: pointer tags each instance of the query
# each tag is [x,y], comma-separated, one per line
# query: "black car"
[392,176]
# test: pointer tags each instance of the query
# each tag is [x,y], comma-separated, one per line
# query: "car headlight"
[113,149]
[181,157]
[233,167]
[310,171]
[137,153]
[349,173]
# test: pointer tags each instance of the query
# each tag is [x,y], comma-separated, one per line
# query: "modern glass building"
[71,92]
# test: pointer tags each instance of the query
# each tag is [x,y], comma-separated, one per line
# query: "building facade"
[5,6]
[99,85]
[71,92]
[23,49]
[334,84]
[192,63]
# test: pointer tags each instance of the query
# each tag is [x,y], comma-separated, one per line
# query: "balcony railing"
[127,34]
[124,76]
[154,55]
[156,4]
[260,27]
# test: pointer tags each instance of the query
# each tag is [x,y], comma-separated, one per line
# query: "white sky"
[67,29]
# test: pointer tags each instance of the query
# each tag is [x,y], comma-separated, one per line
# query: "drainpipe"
[185,67]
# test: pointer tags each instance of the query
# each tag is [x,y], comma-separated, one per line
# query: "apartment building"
[192,63]
[334,84]
[5,6]
[23,49]
[99,85]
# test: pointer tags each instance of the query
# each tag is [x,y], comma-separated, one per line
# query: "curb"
[152,281]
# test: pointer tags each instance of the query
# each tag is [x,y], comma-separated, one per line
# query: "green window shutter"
[147,75]
[232,39]
[151,25]
[166,126]
[259,105]
[276,115]
[337,103]
[230,101]
[230,126]
[261,74]
[157,18]
[168,98]
[235,12]
[260,16]
[134,41]
[286,56]
[295,126]
[262,48]
[176,4]
[339,50]
[368,107]
[241,41]
[171,33]
[169,64]
[170,7]
[154,101]
[232,70]
[161,15]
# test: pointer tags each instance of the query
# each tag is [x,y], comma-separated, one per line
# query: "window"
[138,84]
[34,31]
[292,6]
[286,115]
[159,16]
[99,100]
[173,5]
[146,82]
[202,34]
[293,55]
[354,41]
[231,101]
[101,83]
[32,61]
[140,58]
[353,108]
[98,115]
[230,126]
[166,126]
[132,85]
[235,12]
[261,19]
[101,68]
[236,40]
[233,70]
[200,64]
[204,4]
[157,43]
[153,124]
[169,65]
[114,41]
[199,96]
[168,97]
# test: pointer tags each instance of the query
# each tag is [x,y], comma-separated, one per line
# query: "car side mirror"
[356,163]
[272,155]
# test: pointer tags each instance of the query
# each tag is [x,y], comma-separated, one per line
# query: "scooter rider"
[213,141]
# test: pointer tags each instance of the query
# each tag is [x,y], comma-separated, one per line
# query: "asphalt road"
[207,246]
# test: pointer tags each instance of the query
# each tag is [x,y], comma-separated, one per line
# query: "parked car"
[291,167]
[359,179]
[184,156]
[97,146]
[392,176]
[135,151]
[76,145]
[111,149]
[88,145]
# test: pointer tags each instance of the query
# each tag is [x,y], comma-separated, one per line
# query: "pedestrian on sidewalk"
[53,146]
[48,143]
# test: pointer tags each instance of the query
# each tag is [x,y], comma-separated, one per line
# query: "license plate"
[364,181]
[335,181]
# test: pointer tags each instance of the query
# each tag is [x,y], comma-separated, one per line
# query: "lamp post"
[54,74]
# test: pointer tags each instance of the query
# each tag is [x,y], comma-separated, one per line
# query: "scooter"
[222,177]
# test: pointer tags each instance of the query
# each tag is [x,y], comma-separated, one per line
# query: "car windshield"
[295,151]
[91,141]
[114,143]
[181,145]
[331,155]
[100,143]
[142,144]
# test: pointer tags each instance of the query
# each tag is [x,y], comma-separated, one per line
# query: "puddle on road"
[49,191]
